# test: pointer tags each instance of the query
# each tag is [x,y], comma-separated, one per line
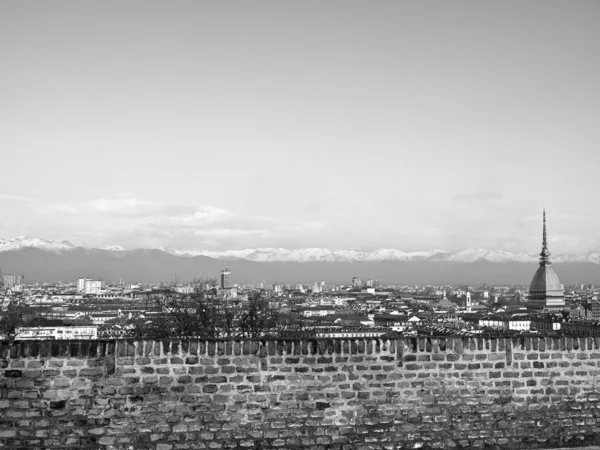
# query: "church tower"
[545,291]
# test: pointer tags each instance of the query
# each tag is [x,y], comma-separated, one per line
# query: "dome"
[545,290]
[546,281]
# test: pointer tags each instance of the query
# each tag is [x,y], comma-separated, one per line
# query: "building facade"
[57,333]
[81,284]
[93,287]
[226,279]
[13,280]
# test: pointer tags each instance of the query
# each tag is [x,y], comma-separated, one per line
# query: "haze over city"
[344,125]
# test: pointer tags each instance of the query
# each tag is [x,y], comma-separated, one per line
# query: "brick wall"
[325,393]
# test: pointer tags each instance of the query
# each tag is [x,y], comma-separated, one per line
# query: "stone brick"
[345,394]
[35,364]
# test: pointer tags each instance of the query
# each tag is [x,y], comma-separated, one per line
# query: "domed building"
[546,290]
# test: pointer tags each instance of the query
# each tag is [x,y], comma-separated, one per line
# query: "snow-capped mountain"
[594,257]
[27,242]
[316,254]
[112,248]
[491,256]
[44,244]
[326,255]
[303,254]
[229,254]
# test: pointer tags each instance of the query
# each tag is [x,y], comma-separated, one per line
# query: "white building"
[334,301]
[184,289]
[317,311]
[42,333]
[88,286]
[93,287]
[519,323]
[81,284]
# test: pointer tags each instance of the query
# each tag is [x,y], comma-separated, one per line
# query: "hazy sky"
[375,124]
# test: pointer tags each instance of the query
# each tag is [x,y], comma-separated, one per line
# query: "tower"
[226,278]
[545,291]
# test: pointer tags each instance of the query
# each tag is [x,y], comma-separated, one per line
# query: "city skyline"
[228,126]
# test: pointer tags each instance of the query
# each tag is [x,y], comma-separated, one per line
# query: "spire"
[545,255]
[544,238]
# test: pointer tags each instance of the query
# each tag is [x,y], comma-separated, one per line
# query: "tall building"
[81,284]
[546,290]
[226,279]
[13,280]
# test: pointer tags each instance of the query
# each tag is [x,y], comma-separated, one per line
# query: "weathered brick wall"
[327,393]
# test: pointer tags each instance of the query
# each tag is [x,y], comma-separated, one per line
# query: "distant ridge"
[45,261]
[302,255]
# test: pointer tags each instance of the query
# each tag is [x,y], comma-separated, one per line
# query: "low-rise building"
[317,311]
[581,328]
[341,332]
[546,324]
[58,333]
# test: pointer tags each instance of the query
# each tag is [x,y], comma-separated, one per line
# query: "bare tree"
[290,324]
[260,315]
[206,312]
[12,316]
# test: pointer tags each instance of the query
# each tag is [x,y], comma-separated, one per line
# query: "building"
[81,284]
[397,322]
[515,322]
[546,323]
[61,332]
[349,332]
[226,278]
[317,311]
[595,310]
[545,291]
[334,301]
[493,321]
[89,286]
[92,287]
[581,328]
[13,280]
[519,323]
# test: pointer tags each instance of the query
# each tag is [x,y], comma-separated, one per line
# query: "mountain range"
[315,254]
[45,261]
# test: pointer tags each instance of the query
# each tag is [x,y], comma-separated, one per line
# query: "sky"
[414,125]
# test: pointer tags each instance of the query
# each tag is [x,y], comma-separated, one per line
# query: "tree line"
[205,312]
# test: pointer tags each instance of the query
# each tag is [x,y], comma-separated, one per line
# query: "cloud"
[204,215]
[16,198]
[61,207]
[476,196]
[137,222]
[124,206]
[134,207]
